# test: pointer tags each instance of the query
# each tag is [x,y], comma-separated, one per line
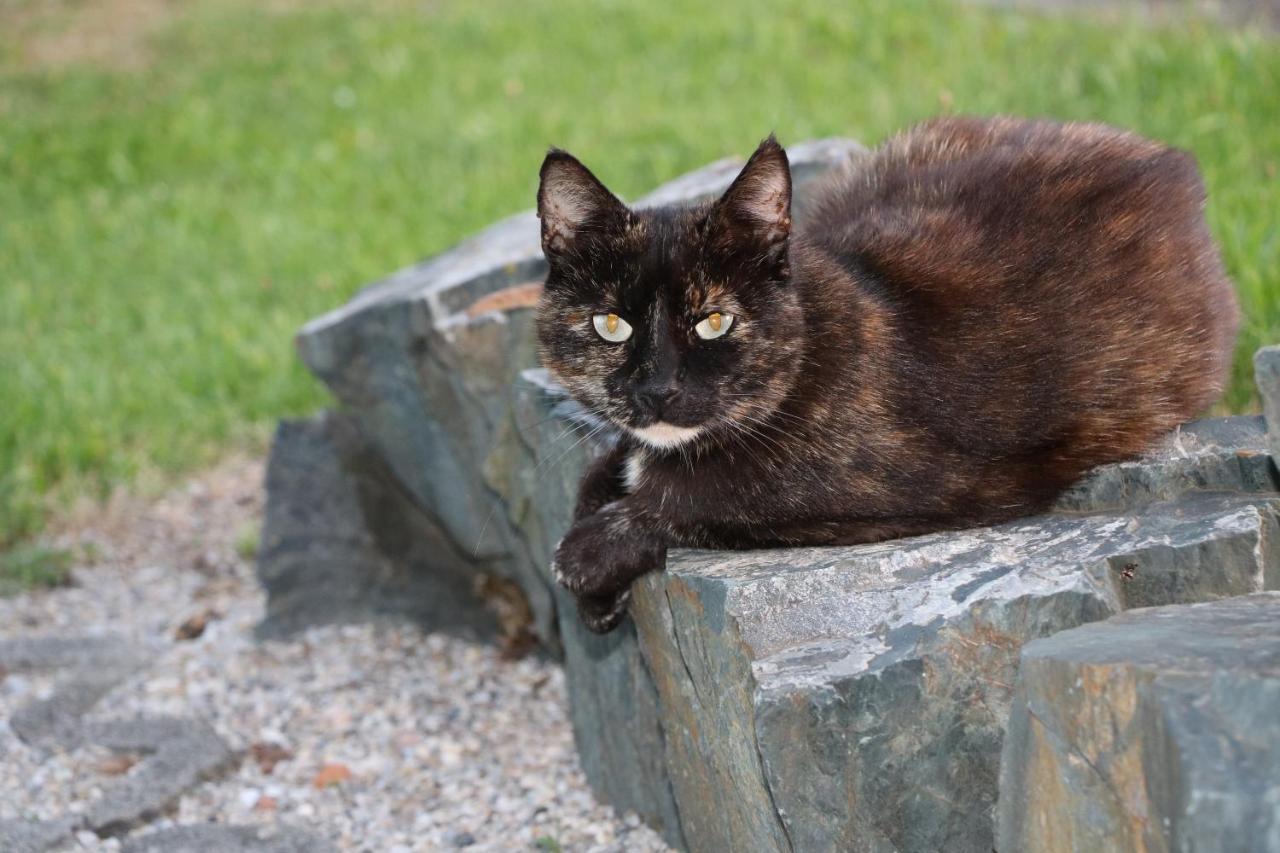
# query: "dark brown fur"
[971,317]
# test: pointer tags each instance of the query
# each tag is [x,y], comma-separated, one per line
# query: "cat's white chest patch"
[633,470]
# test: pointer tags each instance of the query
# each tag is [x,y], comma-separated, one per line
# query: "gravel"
[376,738]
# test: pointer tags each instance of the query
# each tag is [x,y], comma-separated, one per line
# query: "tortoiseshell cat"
[971,317]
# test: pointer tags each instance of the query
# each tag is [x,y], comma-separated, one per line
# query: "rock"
[341,542]
[855,698]
[462,839]
[179,754]
[96,664]
[22,653]
[1153,730]
[1227,454]
[424,365]
[36,836]
[847,698]
[227,839]
[1266,371]
[56,722]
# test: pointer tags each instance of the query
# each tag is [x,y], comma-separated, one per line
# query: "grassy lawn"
[173,209]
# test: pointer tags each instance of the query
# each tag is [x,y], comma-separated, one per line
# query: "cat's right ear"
[572,203]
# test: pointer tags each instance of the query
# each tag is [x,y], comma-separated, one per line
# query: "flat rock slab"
[1266,372]
[36,836]
[65,652]
[855,698]
[1155,730]
[1215,454]
[180,753]
[228,839]
[96,665]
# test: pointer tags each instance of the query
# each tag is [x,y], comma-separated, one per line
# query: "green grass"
[30,566]
[164,229]
[248,540]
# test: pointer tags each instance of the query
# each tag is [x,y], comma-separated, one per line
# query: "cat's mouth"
[665,436]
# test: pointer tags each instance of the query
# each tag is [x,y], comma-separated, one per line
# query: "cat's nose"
[654,397]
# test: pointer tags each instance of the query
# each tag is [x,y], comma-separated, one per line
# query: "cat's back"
[964,211]
[1055,284]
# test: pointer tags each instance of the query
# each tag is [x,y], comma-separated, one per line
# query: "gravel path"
[378,739]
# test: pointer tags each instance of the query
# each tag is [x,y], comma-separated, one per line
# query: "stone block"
[855,698]
[341,541]
[179,754]
[1266,372]
[37,836]
[1155,730]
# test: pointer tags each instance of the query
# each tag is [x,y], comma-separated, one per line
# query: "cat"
[966,321]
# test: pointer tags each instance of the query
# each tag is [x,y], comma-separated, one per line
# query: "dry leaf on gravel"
[268,755]
[194,625]
[116,765]
[331,774]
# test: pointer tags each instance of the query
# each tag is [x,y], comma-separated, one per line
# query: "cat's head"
[676,323]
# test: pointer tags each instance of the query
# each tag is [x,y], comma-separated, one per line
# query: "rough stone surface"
[855,698]
[1224,454]
[57,722]
[1155,730]
[36,836]
[227,839]
[1266,371]
[96,665]
[179,754]
[424,365]
[876,679]
[341,542]
[20,653]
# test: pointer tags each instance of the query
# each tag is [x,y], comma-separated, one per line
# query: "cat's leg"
[603,483]
[602,555]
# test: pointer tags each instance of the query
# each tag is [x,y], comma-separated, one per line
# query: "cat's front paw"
[602,554]
[583,559]
[601,615]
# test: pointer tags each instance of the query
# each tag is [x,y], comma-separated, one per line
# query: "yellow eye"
[713,326]
[611,327]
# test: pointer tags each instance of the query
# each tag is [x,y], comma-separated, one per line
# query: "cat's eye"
[611,327]
[713,326]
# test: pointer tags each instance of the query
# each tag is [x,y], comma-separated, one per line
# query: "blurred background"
[182,184]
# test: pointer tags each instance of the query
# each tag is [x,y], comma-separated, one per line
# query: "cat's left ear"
[756,209]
